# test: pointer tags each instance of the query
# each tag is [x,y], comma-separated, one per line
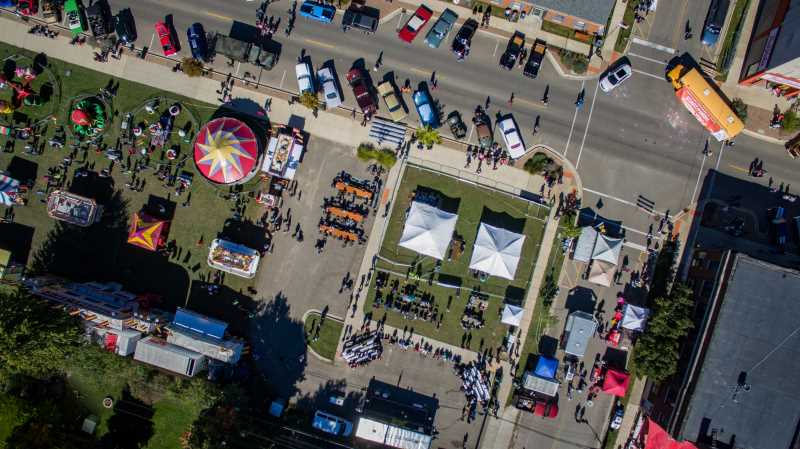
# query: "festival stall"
[226,151]
[147,232]
[542,379]
[9,189]
[496,251]
[602,273]
[655,437]
[284,151]
[634,317]
[512,315]
[233,258]
[428,230]
[615,382]
[73,209]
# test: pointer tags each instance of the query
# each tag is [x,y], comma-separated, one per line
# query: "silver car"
[441,28]
[329,87]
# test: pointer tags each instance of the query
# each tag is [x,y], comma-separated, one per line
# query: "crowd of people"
[474,384]
[491,156]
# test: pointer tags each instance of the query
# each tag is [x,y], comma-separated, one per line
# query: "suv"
[124,26]
[714,22]
[463,39]
[513,50]
[360,17]
[197,42]
[441,28]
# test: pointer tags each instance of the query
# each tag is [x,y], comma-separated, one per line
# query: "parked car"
[28,7]
[535,59]
[305,82]
[511,137]
[168,42]
[415,23]
[317,11]
[463,39]
[332,424]
[361,17]
[74,17]
[364,98]
[616,417]
[197,41]
[427,110]
[514,48]
[329,87]
[615,76]
[97,16]
[456,124]
[715,20]
[441,28]
[483,128]
[387,92]
[125,26]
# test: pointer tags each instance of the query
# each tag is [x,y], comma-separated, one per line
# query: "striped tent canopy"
[8,190]
[147,232]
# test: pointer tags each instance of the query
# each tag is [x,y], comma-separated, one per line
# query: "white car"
[332,424]
[511,137]
[615,76]
[330,89]
[305,83]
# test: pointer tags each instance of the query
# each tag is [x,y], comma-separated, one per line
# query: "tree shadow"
[588,217]
[616,358]
[445,203]
[17,239]
[548,346]
[331,397]
[244,232]
[239,309]
[131,425]
[23,170]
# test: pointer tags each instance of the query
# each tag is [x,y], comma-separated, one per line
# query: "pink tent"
[616,382]
[657,438]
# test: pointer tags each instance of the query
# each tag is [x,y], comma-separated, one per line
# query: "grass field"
[101,252]
[329,335]
[473,206]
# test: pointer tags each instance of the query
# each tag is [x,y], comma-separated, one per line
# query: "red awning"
[657,438]
[616,382]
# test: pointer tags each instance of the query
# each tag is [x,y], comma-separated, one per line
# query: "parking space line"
[283,77]
[496,44]
[471,129]
[423,72]
[642,72]
[646,58]
[572,127]
[152,38]
[639,41]
[319,43]
[588,122]
[238,66]
[737,168]
[219,16]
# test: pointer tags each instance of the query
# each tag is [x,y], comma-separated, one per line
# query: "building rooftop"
[597,11]
[746,388]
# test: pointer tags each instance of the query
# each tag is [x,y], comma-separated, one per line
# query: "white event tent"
[512,315]
[497,251]
[428,230]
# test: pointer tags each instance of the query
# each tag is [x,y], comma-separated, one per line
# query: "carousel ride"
[158,129]
[87,117]
[227,152]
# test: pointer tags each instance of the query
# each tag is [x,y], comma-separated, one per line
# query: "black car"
[510,57]
[197,42]
[360,17]
[98,15]
[463,39]
[456,124]
[535,59]
[125,27]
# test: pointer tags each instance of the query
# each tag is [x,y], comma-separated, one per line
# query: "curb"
[554,62]
[763,138]
[564,162]
[310,312]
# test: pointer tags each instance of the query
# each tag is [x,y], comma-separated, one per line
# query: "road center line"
[572,127]
[283,77]
[152,38]
[642,72]
[319,43]
[646,58]
[219,16]
[588,122]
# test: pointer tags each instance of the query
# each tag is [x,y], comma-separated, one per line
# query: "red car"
[28,7]
[168,44]
[366,102]
[410,30]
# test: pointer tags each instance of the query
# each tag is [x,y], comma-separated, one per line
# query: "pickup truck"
[360,17]
[365,100]
[535,59]
[242,51]
[515,45]
[97,16]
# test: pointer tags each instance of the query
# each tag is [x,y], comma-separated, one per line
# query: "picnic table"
[357,191]
[343,213]
[338,233]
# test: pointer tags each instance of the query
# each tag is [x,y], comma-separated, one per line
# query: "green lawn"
[171,419]
[13,412]
[101,252]
[558,30]
[625,33]
[473,205]
[329,335]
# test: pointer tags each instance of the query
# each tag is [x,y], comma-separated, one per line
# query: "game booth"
[73,209]
[538,390]
[227,152]
[233,258]
[147,232]
[284,151]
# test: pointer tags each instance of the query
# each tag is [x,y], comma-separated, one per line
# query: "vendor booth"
[580,328]
[233,258]
[284,151]
[9,188]
[496,251]
[542,379]
[428,230]
[602,273]
[595,246]
[615,382]
[512,315]
[73,209]
[634,318]
[147,232]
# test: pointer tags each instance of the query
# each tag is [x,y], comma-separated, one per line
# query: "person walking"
[511,99]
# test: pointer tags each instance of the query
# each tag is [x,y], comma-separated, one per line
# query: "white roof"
[585,245]
[371,430]
[512,315]
[428,230]
[538,384]
[602,273]
[580,328]
[392,436]
[635,317]
[173,358]
[607,249]
[497,251]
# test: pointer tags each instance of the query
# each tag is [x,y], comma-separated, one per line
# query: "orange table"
[355,216]
[330,230]
[353,189]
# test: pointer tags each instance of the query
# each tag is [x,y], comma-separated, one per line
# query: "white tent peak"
[607,249]
[497,251]
[512,315]
[428,230]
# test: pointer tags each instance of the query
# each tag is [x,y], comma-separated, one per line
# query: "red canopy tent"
[657,438]
[147,232]
[616,382]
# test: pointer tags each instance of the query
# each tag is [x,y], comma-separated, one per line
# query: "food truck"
[233,258]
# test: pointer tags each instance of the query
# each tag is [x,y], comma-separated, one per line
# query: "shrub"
[740,108]
[537,163]
[791,121]
[192,67]
[576,62]
[384,156]
[309,100]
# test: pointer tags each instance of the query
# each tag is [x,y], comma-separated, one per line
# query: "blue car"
[428,114]
[197,42]
[317,11]
[714,22]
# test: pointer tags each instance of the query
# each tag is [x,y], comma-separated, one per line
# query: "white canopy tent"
[428,230]
[585,245]
[512,315]
[496,251]
[634,317]
[607,249]
[602,273]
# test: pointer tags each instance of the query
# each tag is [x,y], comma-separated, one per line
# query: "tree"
[664,270]
[568,228]
[658,349]
[35,339]
[192,67]
[428,136]
[310,100]
[740,108]
[536,164]
[549,289]
[791,121]
[385,157]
